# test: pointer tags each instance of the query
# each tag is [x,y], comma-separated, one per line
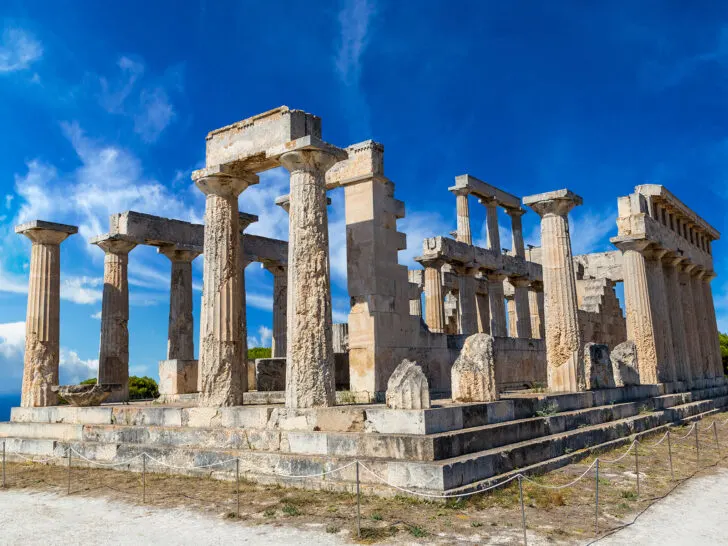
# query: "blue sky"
[105,107]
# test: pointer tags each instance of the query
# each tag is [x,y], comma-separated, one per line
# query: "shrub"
[724,351]
[259,352]
[142,388]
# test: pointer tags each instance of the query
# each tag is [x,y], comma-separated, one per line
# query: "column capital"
[553,203]
[428,262]
[219,181]
[179,253]
[520,282]
[114,244]
[536,286]
[656,253]
[496,276]
[318,157]
[275,267]
[488,202]
[47,233]
[459,191]
[709,276]
[515,213]
[638,245]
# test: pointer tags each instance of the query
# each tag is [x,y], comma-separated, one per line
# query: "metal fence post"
[697,443]
[358,503]
[144,478]
[669,454]
[637,464]
[596,511]
[715,433]
[237,483]
[523,509]
[3,464]
[69,469]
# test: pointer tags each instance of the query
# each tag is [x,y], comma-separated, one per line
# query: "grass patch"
[269,513]
[417,531]
[332,529]
[291,510]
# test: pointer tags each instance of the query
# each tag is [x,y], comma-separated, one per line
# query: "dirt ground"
[553,516]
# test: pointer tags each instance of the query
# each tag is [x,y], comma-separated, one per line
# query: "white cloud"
[259,301]
[97,315]
[83,290]
[12,338]
[18,50]
[260,200]
[590,231]
[263,339]
[74,369]
[154,115]
[114,94]
[354,21]
[418,226]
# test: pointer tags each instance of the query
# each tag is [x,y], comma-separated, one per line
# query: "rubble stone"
[474,374]
[408,388]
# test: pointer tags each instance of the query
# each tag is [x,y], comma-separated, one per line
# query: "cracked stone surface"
[625,365]
[408,388]
[473,374]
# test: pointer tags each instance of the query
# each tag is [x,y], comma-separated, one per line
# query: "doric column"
[517,246]
[522,307]
[280,304]
[114,345]
[690,320]
[40,363]
[696,285]
[310,353]
[222,373]
[482,304]
[491,223]
[434,298]
[180,342]
[536,308]
[497,301]
[660,310]
[712,324]
[467,313]
[463,212]
[678,328]
[564,343]
[511,314]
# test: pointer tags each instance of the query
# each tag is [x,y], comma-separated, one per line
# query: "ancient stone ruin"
[509,345]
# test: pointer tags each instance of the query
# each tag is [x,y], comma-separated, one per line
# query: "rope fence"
[236,463]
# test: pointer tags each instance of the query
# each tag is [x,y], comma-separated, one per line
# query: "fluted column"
[511,314]
[463,213]
[522,307]
[222,374]
[536,308]
[678,328]
[310,353]
[696,285]
[564,343]
[280,304]
[517,245]
[180,342]
[482,305]
[434,298]
[497,300]
[660,311]
[712,324]
[491,223]
[690,320]
[42,334]
[467,313]
[114,345]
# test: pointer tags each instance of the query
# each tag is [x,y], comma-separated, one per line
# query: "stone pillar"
[564,343]
[522,307]
[689,319]
[536,308]
[114,345]
[517,246]
[310,354]
[712,324]
[491,223]
[496,298]
[42,334]
[463,212]
[467,314]
[696,285]
[660,310]
[482,305]
[180,342]
[434,298]
[222,365]
[511,314]
[280,303]
[678,326]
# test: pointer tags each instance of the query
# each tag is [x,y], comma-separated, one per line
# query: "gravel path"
[45,518]
[695,514]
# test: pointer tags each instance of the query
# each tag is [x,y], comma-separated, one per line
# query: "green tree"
[142,388]
[724,351]
[259,352]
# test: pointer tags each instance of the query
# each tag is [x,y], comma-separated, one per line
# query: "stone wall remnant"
[625,364]
[598,366]
[474,373]
[408,387]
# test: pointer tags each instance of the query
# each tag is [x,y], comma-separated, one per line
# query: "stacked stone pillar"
[497,303]
[536,308]
[180,339]
[463,216]
[564,343]
[522,307]
[491,224]
[690,320]
[467,312]
[114,344]
[712,333]
[280,304]
[434,298]
[517,247]
[482,305]
[310,355]
[703,366]
[678,327]
[42,328]
[222,364]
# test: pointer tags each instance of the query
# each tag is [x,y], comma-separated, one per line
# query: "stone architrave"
[473,374]
[564,347]
[408,388]
[114,344]
[310,378]
[222,365]
[598,366]
[280,303]
[625,364]
[42,334]
[463,213]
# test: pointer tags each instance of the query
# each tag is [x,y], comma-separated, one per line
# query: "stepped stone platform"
[448,448]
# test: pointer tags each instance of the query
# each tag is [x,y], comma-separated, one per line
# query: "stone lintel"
[558,202]
[486,191]
[46,226]
[245,219]
[661,193]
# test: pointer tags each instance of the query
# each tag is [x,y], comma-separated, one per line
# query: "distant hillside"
[8,401]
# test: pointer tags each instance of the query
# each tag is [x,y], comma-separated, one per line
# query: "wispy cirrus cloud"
[18,50]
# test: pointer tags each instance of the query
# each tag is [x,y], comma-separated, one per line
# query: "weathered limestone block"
[270,374]
[473,374]
[408,388]
[177,376]
[598,367]
[85,395]
[625,365]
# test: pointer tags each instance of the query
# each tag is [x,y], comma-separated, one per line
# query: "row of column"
[483,311]
[670,314]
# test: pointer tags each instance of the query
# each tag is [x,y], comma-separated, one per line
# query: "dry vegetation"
[553,515]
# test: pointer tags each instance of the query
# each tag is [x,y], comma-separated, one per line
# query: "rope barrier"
[687,434]
[607,461]
[577,480]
